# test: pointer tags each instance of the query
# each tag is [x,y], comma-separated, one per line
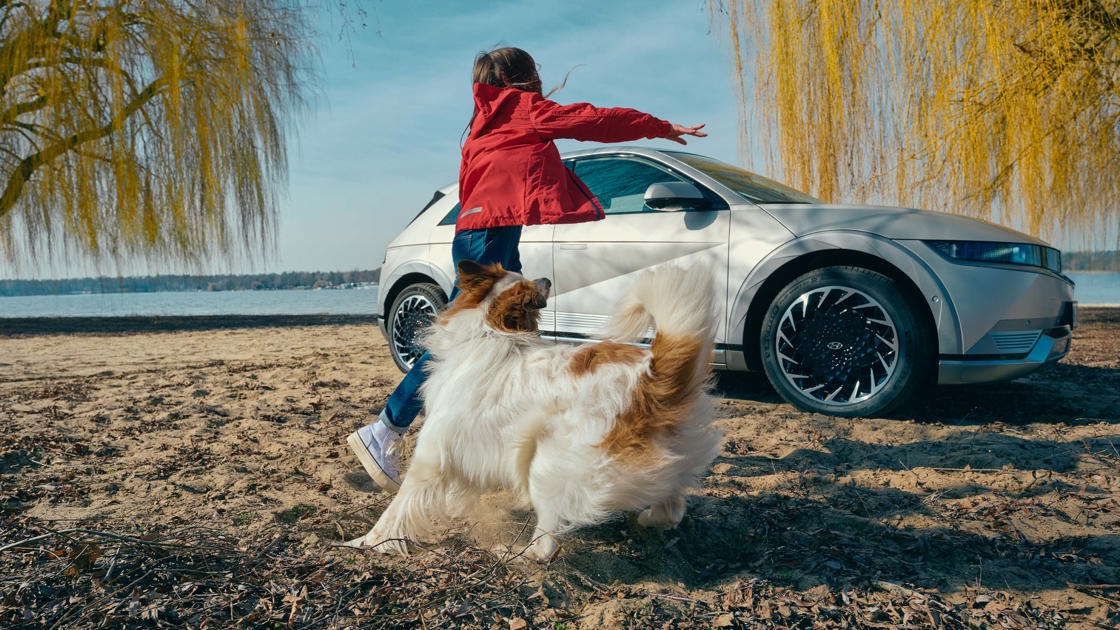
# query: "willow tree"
[144,128]
[997,109]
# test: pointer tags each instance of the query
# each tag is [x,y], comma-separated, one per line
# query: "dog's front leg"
[420,500]
[545,546]
[387,535]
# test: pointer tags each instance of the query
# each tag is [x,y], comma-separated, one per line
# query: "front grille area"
[1015,342]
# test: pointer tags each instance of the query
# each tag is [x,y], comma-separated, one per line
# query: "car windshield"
[754,187]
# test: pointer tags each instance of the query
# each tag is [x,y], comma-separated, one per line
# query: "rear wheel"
[845,341]
[413,311]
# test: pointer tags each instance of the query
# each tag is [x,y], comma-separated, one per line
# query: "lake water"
[1093,289]
[360,301]
[1097,289]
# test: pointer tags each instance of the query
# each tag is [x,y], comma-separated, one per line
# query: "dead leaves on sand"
[194,577]
[994,507]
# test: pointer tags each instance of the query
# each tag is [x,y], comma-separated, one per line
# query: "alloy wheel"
[837,345]
[412,315]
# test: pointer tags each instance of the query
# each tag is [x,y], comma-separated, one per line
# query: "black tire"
[413,310]
[845,341]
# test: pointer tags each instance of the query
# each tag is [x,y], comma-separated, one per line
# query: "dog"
[580,432]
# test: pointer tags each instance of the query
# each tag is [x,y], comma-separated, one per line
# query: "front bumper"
[1013,354]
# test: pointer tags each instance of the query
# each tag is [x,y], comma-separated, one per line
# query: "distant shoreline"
[18,326]
[293,280]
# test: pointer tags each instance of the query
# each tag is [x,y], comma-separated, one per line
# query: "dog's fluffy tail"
[679,304]
[674,301]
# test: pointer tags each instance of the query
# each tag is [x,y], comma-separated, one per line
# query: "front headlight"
[1000,253]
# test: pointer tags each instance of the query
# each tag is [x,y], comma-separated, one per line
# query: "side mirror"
[675,196]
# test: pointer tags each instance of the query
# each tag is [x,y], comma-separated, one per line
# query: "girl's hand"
[677,131]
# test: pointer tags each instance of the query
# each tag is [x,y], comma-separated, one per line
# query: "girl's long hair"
[508,67]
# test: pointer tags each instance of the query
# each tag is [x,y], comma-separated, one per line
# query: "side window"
[620,183]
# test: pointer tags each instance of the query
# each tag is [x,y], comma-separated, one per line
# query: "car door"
[536,262]
[595,262]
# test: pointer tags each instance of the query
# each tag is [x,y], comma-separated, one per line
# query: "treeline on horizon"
[1091,261]
[151,284]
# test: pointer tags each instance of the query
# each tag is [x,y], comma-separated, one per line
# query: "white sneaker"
[376,447]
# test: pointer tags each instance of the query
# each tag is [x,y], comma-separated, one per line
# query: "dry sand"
[224,449]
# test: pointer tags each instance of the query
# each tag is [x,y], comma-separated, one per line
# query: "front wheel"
[413,310]
[845,341]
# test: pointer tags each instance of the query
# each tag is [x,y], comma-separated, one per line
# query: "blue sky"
[396,97]
[386,122]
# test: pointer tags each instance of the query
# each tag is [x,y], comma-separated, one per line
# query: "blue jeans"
[493,245]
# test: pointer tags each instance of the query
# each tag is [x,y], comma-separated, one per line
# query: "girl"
[510,175]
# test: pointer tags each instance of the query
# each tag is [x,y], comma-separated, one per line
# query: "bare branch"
[19,109]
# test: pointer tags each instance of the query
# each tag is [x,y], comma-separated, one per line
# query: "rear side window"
[451,216]
[436,197]
[620,183]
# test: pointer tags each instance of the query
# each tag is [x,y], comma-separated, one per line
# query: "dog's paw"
[524,553]
[647,518]
[543,549]
[379,543]
[666,515]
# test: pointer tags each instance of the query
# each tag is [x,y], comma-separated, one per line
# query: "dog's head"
[511,302]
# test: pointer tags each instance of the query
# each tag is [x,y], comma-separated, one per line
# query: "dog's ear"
[469,268]
[471,273]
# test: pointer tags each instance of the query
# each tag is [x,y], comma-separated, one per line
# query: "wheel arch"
[409,274]
[777,270]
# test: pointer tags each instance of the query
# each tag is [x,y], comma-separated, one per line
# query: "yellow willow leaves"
[1008,110]
[145,128]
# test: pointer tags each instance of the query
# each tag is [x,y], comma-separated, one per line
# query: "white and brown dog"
[581,432]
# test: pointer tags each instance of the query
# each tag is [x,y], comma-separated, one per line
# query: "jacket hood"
[489,99]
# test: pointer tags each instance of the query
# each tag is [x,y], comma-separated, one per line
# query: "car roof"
[615,149]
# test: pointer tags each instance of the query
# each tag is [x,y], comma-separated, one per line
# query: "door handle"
[573,245]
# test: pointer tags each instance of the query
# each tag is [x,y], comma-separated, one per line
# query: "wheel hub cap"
[837,345]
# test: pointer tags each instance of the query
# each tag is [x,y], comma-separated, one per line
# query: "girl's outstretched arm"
[584,121]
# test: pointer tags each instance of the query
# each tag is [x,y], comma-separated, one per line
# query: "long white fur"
[504,411]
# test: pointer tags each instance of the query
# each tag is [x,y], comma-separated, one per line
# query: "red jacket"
[511,173]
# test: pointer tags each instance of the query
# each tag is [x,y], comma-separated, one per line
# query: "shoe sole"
[370,464]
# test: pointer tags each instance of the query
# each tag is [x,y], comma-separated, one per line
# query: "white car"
[848,309]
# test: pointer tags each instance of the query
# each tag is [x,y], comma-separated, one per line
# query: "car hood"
[893,223]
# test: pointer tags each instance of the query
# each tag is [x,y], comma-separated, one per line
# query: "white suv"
[848,309]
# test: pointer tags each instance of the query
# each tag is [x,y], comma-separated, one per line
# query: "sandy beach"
[198,476]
